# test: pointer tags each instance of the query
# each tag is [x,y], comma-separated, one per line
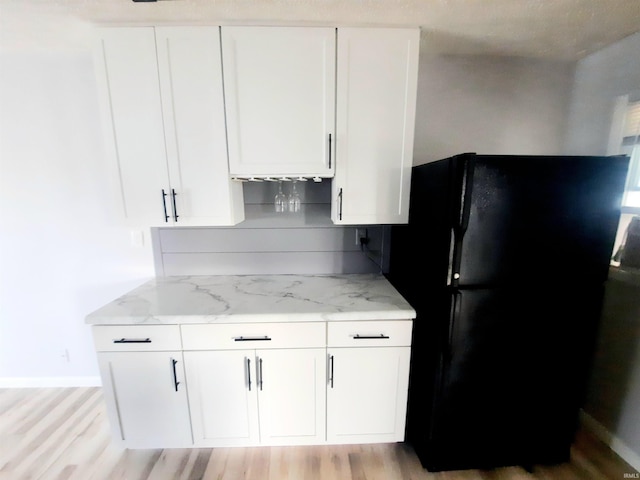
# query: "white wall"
[490,105]
[600,78]
[62,254]
[613,397]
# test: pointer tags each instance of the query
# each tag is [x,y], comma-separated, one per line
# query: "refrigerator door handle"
[454,312]
[465,179]
[455,258]
[466,191]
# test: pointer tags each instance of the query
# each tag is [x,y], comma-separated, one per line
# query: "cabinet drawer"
[370,334]
[253,335]
[136,338]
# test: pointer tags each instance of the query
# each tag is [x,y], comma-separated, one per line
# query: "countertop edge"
[220,299]
[400,314]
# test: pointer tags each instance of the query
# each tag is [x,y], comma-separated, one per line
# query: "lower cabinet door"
[146,398]
[367,394]
[223,397]
[291,396]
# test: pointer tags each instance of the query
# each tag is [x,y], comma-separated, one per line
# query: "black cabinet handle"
[175,376]
[164,206]
[331,371]
[370,337]
[340,205]
[252,339]
[260,374]
[329,150]
[133,340]
[173,199]
[249,373]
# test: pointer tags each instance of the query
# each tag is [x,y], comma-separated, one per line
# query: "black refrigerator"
[504,259]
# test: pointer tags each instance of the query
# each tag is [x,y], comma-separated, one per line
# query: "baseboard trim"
[49,382]
[615,443]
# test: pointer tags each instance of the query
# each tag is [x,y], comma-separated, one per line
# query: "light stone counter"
[256,298]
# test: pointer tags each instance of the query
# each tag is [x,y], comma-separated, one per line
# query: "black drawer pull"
[133,340]
[370,337]
[251,339]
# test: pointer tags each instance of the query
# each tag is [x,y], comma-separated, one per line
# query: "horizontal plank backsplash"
[265,251]
[230,240]
[266,263]
[273,243]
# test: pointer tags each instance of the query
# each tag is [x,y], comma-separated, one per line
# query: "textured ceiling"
[551,29]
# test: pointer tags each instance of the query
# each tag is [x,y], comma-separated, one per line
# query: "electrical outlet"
[362,236]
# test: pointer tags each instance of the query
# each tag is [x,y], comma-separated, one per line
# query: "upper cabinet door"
[190,72]
[377,71]
[280,99]
[164,116]
[127,75]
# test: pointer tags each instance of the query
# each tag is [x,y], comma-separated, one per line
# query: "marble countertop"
[256,298]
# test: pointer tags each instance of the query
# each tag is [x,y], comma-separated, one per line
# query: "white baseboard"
[49,382]
[617,445]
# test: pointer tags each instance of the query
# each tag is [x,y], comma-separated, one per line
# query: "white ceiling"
[550,29]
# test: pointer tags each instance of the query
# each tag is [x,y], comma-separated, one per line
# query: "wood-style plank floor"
[63,434]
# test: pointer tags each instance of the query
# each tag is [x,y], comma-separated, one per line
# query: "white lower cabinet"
[367,394]
[143,384]
[291,396]
[247,384]
[146,398]
[368,381]
[223,397]
[260,396]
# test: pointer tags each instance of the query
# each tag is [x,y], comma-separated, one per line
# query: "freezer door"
[512,377]
[531,219]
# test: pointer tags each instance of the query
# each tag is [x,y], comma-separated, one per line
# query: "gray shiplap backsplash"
[269,243]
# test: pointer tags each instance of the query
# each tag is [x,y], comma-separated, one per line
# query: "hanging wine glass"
[294,199]
[280,200]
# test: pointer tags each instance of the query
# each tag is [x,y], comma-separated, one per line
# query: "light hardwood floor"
[62,434]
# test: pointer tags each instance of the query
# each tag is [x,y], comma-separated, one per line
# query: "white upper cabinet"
[280,99]
[190,71]
[185,109]
[377,70]
[163,111]
[127,75]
